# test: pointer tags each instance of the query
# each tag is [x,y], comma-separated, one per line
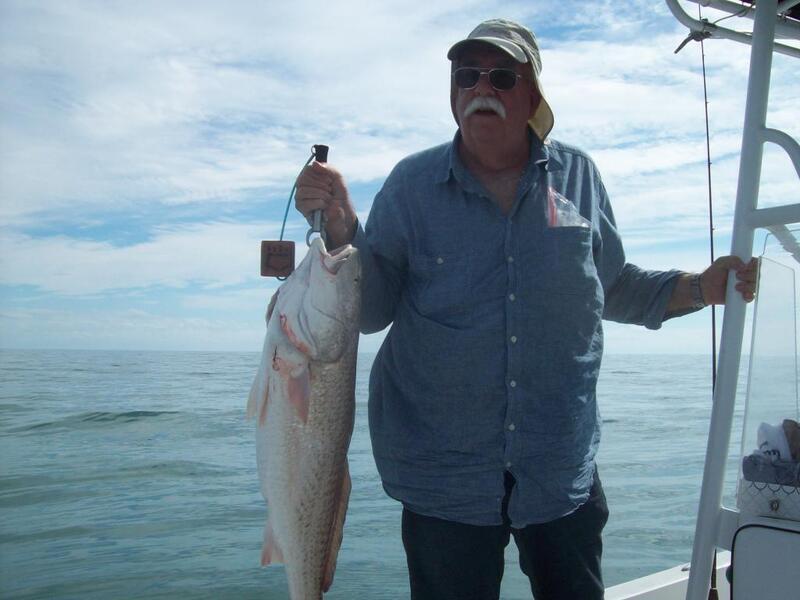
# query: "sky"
[146,148]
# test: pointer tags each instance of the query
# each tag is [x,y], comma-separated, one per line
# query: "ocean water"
[132,475]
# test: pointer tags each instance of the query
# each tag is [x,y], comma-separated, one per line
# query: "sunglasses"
[501,79]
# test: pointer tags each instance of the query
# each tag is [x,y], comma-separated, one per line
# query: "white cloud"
[131,328]
[209,254]
[239,330]
[114,103]
[173,104]
[141,108]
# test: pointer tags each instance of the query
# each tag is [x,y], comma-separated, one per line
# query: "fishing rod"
[701,36]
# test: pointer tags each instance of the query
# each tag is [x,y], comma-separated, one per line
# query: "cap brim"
[506,46]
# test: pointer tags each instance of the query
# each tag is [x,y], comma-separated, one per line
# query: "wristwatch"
[697,293]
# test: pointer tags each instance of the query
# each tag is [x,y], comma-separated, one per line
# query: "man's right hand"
[322,187]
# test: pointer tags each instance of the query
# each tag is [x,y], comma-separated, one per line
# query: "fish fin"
[257,399]
[300,391]
[271,305]
[337,529]
[262,414]
[271,553]
[259,395]
[297,379]
[293,337]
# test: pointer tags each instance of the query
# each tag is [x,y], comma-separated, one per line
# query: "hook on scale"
[277,256]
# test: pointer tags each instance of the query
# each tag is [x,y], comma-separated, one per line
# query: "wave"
[10,407]
[173,468]
[132,415]
[93,419]
[66,486]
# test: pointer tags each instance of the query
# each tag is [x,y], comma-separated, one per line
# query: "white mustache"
[485,103]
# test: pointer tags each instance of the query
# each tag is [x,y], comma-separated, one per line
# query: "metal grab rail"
[786,142]
[786,5]
[716,524]
[788,30]
[783,27]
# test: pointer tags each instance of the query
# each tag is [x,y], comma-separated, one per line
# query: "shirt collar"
[453,166]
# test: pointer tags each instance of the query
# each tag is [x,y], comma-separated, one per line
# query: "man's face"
[519,103]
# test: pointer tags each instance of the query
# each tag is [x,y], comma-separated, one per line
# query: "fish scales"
[306,465]
[303,398]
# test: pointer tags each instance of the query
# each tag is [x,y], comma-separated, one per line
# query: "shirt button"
[440,261]
[513,339]
[508,465]
[512,297]
[512,383]
[510,259]
[512,427]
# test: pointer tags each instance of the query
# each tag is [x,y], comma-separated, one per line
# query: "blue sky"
[147,147]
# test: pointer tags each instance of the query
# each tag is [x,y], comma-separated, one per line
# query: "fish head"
[335,298]
[319,304]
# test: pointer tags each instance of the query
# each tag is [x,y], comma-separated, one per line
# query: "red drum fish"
[303,399]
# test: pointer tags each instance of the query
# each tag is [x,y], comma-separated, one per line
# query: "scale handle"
[320,155]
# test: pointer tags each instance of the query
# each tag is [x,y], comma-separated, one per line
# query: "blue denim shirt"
[492,358]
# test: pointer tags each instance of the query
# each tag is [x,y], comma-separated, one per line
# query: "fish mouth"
[334,260]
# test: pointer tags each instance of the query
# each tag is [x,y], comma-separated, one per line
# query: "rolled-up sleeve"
[640,297]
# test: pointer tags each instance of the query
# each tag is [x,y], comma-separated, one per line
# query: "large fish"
[304,399]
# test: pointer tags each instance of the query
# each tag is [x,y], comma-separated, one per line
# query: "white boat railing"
[783,27]
[715,524]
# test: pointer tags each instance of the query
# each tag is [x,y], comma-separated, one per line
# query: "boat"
[757,544]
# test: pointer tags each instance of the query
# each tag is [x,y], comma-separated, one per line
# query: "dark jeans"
[448,560]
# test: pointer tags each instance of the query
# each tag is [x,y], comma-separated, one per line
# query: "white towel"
[772,442]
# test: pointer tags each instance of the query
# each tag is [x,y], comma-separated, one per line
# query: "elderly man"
[495,257]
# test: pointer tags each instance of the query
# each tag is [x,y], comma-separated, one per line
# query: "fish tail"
[337,529]
[257,400]
[271,553]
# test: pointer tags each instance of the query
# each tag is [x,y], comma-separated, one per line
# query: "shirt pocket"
[568,259]
[561,212]
[442,282]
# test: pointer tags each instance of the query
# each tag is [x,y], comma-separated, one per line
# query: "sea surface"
[132,475]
